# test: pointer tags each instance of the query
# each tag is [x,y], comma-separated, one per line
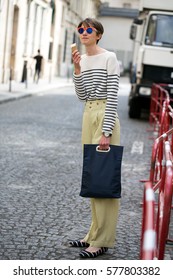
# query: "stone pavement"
[40,207]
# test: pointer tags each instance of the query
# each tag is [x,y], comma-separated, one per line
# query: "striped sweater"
[99,79]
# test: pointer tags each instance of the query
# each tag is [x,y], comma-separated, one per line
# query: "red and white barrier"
[148,239]
[156,216]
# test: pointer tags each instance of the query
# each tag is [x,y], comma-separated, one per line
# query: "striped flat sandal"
[86,254]
[78,243]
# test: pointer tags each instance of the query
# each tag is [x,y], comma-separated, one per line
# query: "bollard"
[24,74]
[10,80]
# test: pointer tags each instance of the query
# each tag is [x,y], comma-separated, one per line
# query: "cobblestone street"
[41,161]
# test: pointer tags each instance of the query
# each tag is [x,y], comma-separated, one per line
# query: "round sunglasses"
[89,30]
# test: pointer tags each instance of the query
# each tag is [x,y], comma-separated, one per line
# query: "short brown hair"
[93,22]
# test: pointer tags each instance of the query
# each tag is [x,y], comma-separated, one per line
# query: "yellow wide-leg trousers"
[102,231]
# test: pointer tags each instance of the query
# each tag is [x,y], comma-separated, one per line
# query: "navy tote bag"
[101,174]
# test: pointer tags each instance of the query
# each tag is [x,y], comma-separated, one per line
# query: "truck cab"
[152,34]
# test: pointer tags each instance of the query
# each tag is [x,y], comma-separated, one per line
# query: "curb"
[6,100]
[26,95]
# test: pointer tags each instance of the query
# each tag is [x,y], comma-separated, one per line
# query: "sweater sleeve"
[79,87]
[113,75]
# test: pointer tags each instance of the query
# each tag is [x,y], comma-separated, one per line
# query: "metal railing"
[156,216]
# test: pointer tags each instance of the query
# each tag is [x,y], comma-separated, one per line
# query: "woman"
[96,79]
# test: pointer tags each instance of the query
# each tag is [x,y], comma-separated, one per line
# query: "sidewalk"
[19,90]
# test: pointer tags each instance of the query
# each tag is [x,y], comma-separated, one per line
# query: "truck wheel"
[134,110]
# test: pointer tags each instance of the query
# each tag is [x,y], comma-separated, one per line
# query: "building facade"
[48,25]
[130,4]
[25,24]
[72,12]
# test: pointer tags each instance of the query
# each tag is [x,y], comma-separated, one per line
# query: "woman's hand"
[104,143]
[76,61]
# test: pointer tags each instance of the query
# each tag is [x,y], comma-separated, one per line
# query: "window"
[127,5]
[160,31]
[65,46]
[50,50]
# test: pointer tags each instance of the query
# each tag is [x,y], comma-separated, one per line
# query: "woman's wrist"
[107,134]
[77,71]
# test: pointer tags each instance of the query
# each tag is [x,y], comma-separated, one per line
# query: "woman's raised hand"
[76,57]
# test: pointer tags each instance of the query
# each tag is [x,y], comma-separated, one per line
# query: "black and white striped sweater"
[99,79]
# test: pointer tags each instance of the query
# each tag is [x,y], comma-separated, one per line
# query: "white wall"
[116,37]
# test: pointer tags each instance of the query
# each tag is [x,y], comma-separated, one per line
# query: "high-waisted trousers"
[102,232]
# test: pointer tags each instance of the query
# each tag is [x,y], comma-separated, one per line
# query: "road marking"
[167,257]
[137,147]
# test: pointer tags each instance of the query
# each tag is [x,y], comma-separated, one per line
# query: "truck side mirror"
[133,30]
[138,21]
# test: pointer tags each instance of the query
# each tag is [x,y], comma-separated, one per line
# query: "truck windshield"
[160,31]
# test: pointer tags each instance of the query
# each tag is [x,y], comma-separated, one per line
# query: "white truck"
[152,33]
